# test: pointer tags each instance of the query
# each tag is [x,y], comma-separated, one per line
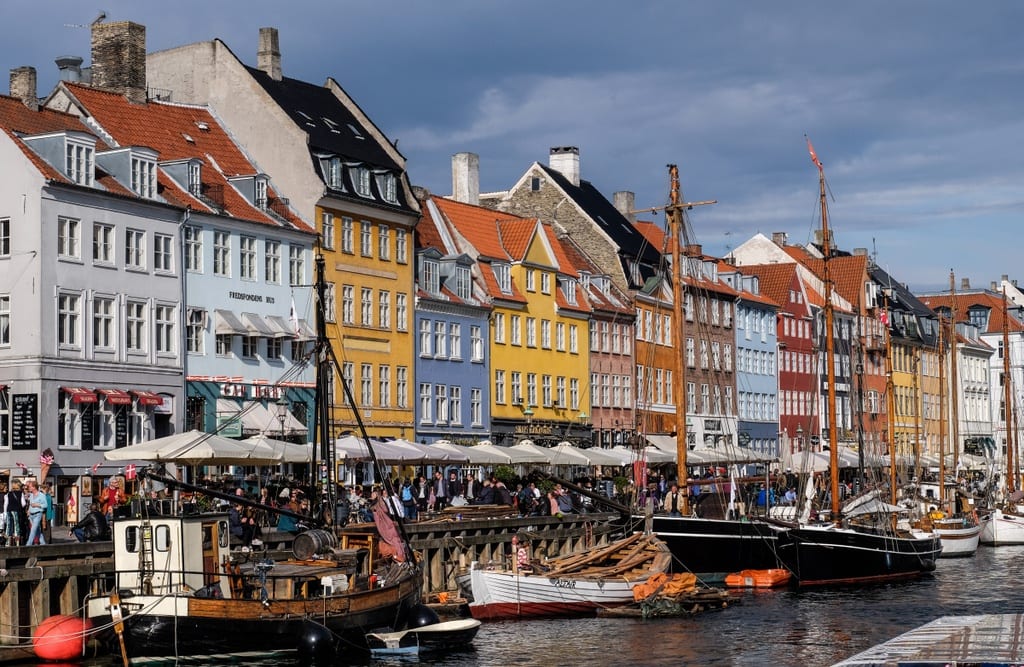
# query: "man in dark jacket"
[486,495]
[93,527]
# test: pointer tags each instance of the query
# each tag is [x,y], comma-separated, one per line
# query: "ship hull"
[714,548]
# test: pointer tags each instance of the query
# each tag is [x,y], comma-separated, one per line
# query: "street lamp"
[799,438]
[282,413]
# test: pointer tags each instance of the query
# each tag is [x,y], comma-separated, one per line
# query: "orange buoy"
[758,578]
[60,637]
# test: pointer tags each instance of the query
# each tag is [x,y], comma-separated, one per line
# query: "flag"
[129,471]
[883,316]
[96,466]
[21,465]
[814,156]
[293,317]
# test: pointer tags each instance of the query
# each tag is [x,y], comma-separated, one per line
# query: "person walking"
[36,513]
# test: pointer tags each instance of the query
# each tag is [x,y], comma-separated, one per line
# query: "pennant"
[293,317]
[883,316]
[21,465]
[96,466]
[814,156]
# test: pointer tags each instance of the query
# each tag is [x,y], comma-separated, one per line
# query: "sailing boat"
[179,590]
[1004,522]
[863,544]
[710,548]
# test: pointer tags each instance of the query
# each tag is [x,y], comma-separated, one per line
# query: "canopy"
[476,455]
[195,448]
[351,448]
[513,456]
[290,452]
[594,455]
[556,456]
[657,455]
[431,453]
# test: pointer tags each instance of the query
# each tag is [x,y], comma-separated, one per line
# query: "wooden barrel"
[312,542]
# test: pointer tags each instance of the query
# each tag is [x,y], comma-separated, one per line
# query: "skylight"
[188,138]
[202,126]
[331,124]
[355,131]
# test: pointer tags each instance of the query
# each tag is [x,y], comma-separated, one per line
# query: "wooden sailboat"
[180,590]
[1003,522]
[711,548]
[862,543]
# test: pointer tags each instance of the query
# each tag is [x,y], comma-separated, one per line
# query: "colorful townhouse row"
[163,212]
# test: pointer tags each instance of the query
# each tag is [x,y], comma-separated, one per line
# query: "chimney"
[23,86]
[994,286]
[965,283]
[779,239]
[693,250]
[466,178]
[860,252]
[1005,278]
[268,55]
[70,68]
[119,59]
[566,161]
[625,202]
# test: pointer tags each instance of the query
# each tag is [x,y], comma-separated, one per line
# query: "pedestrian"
[440,492]
[36,513]
[408,496]
[50,514]
[92,528]
[673,503]
[15,518]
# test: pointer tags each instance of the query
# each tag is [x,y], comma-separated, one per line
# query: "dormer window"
[333,173]
[361,180]
[431,278]
[388,188]
[261,193]
[569,290]
[143,177]
[463,283]
[79,163]
[503,275]
[195,177]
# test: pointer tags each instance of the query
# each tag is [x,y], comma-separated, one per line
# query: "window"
[531,280]
[135,326]
[426,402]
[333,169]
[560,336]
[476,413]
[441,396]
[545,283]
[365,238]
[346,234]
[79,163]
[545,390]
[163,253]
[499,386]
[348,307]
[386,183]
[384,309]
[366,307]
[574,347]
[517,387]
[224,345]
[102,243]
[296,265]
[401,386]
[193,249]
[560,391]
[545,334]
[195,182]
[144,177]
[164,323]
[476,343]
[348,372]
[574,393]
[499,327]
[5,237]
[330,304]
[361,181]
[272,262]
[384,385]
[569,291]
[250,347]
[384,242]
[327,230]
[366,385]
[135,249]
[261,192]
[455,341]
[440,339]
[401,312]
[426,340]
[503,276]
[221,254]
[247,261]
[5,319]
[68,238]
[517,332]
[195,330]
[401,246]
[463,283]
[531,332]
[431,276]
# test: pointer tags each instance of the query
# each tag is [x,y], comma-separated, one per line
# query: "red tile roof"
[477,224]
[964,302]
[516,234]
[653,232]
[167,128]
[16,119]
[426,232]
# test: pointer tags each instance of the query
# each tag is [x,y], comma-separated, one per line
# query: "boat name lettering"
[245,296]
[564,583]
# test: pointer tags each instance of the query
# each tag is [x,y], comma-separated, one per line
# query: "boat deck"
[992,640]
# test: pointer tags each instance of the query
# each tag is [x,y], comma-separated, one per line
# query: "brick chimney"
[23,86]
[268,55]
[566,161]
[965,283]
[119,59]
[860,252]
[625,202]
[70,68]
[779,239]
[466,178]
[693,250]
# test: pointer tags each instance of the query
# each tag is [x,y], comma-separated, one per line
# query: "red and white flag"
[883,316]
[129,471]
[96,466]
[814,156]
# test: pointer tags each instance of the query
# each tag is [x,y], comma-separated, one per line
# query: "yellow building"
[540,325]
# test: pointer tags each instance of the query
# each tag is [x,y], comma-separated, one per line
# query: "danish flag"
[129,471]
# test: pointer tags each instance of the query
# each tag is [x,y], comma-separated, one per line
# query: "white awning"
[258,418]
[257,326]
[280,326]
[227,323]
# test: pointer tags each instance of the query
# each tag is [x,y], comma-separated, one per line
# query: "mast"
[954,365]
[890,407]
[942,415]
[830,343]
[674,218]
[323,467]
[918,404]
[1011,482]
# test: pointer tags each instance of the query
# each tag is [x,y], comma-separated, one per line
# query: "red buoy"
[60,637]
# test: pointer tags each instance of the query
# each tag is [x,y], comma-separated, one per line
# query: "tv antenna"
[99,19]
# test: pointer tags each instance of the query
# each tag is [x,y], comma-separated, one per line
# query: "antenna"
[99,19]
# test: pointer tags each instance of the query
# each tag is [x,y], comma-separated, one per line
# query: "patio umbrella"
[352,448]
[290,452]
[431,453]
[197,448]
[477,455]
[514,456]
[594,455]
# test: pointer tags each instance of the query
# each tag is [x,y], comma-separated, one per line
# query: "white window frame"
[221,253]
[384,309]
[347,231]
[327,230]
[401,312]
[163,253]
[69,237]
[401,246]
[426,402]
[247,258]
[272,262]
[135,326]
[103,244]
[164,318]
[296,265]
[383,243]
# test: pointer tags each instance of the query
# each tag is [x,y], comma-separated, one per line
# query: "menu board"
[25,421]
[121,428]
[88,426]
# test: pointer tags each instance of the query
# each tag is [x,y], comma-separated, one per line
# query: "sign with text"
[25,421]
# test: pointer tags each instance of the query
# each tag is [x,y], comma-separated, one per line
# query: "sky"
[913,107]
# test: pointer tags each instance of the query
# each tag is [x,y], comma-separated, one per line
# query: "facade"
[333,164]
[242,251]
[452,322]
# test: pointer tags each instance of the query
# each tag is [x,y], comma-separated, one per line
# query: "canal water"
[776,628]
